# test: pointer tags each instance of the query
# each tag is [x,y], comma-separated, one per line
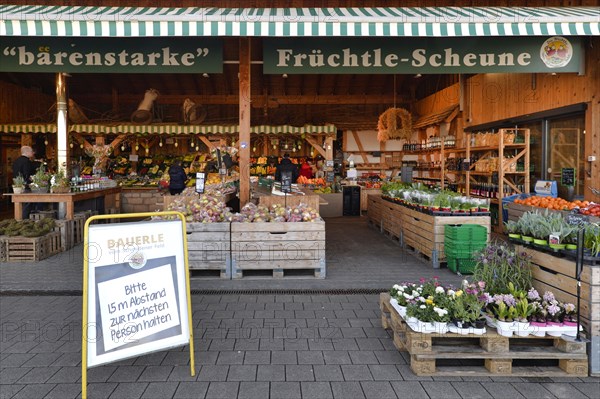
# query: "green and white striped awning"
[303,22]
[167,129]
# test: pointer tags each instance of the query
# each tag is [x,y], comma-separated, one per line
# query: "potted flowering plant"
[570,315]
[18,184]
[403,294]
[502,310]
[40,181]
[60,183]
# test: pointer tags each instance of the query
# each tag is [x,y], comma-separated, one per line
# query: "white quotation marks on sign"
[202,52]
[10,51]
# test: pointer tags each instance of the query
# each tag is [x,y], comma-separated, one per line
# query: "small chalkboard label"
[567,177]
[329,164]
[577,219]
[200,178]
[286,181]
[330,176]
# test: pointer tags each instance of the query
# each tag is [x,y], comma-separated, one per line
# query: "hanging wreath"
[394,123]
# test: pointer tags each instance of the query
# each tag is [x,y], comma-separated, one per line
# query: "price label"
[286,181]
[329,164]
[577,219]
[567,177]
[223,171]
[200,178]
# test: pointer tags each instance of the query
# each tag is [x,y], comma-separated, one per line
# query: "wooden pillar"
[592,148]
[244,139]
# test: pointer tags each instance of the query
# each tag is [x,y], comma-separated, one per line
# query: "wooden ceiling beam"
[233,99]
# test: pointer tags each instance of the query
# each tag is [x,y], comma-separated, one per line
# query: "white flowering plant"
[406,292]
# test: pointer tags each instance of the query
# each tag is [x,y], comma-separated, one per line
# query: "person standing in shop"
[177,178]
[25,167]
[286,165]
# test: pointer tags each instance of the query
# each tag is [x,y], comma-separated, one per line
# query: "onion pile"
[277,213]
[202,209]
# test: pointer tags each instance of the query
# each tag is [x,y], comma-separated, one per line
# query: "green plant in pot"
[591,241]
[444,202]
[540,229]
[40,181]
[18,184]
[525,223]
[560,231]
[513,229]
[60,183]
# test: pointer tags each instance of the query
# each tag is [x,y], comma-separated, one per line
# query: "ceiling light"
[285,75]
[205,75]
[418,76]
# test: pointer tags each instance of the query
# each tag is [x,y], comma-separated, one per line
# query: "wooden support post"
[591,178]
[363,154]
[316,146]
[329,148]
[208,143]
[245,108]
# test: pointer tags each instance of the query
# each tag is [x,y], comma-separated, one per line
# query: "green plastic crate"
[461,265]
[466,232]
[470,244]
[461,252]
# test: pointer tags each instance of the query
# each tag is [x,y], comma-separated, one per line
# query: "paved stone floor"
[248,345]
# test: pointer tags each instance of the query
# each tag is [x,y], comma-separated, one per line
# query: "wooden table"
[111,196]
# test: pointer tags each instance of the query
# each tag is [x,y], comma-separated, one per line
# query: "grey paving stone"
[202,358]
[285,333]
[151,359]
[330,333]
[213,373]
[363,357]
[126,374]
[182,373]
[293,306]
[42,360]
[320,344]
[344,390]
[324,314]
[222,345]
[285,390]
[156,373]
[8,391]
[563,390]
[348,344]
[299,373]
[16,359]
[270,373]
[246,344]
[353,332]
[160,390]
[242,373]
[295,323]
[389,357]
[440,389]
[285,314]
[308,332]
[47,347]
[345,314]
[68,359]
[340,323]
[183,358]
[409,389]
[100,374]
[222,390]
[531,390]
[329,372]
[231,357]
[31,391]
[378,390]
[284,357]
[408,375]
[66,375]
[474,390]
[191,390]
[253,390]
[337,357]
[65,391]
[316,390]
[129,390]
[274,344]
[255,306]
[356,373]
[501,390]
[257,357]
[385,372]
[375,332]
[310,357]
[299,344]
[364,323]
[38,375]
[369,344]
[317,323]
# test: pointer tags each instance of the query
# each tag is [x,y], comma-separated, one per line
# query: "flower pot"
[39,190]
[537,328]
[557,246]
[557,332]
[571,246]
[440,327]
[522,328]
[513,235]
[540,242]
[570,323]
[60,190]
[526,238]
[505,328]
[18,190]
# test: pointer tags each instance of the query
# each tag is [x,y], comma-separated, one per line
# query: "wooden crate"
[65,229]
[455,355]
[38,215]
[209,248]
[418,231]
[279,249]
[26,249]
[79,226]
[311,200]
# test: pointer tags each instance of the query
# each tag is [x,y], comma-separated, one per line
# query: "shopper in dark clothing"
[24,166]
[178,177]
[286,165]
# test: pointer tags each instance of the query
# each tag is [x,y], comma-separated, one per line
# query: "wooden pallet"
[209,248]
[489,354]
[32,249]
[79,226]
[3,248]
[278,248]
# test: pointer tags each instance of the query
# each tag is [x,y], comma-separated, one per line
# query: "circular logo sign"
[137,260]
[556,52]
